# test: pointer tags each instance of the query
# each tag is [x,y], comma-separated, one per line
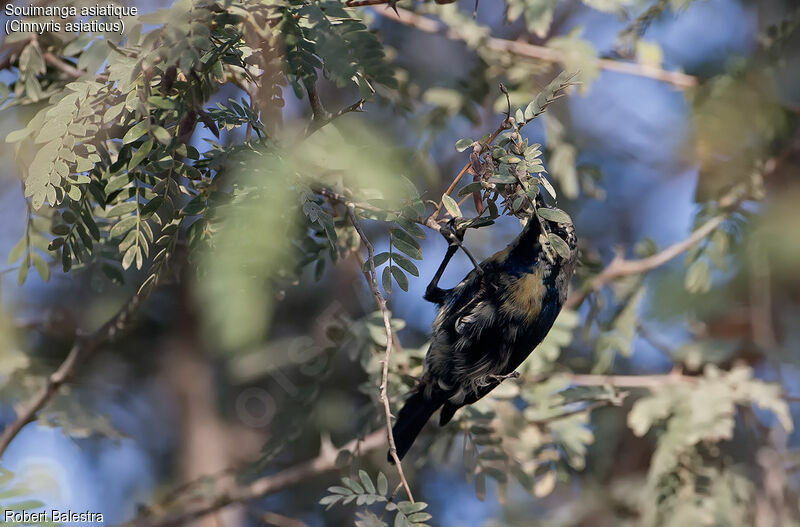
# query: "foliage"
[15,497]
[209,148]
[364,492]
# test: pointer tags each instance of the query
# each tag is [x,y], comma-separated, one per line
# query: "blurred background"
[639,159]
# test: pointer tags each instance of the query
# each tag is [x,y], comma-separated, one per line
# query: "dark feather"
[411,419]
[487,326]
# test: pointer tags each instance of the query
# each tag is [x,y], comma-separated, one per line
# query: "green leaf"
[135,132]
[548,187]
[559,245]
[55,243]
[162,135]
[162,102]
[330,500]
[406,507]
[405,263]
[66,258]
[17,251]
[22,274]
[27,505]
[383,484]
[698,278]
[379,259]
[122,209]
[451,206]
[74,193]
[123,226]
[366,481]
[400,277]
[554,214]
[140,154]
[151,206]
[41,266]
[412,228]
[113,112]
[344,491]
[476,186]
[117,182]
[386,279]
[60,229]
[410,250]
[354,485]
[113,274]
[18,135]
[463,144]
[545,485]
[130,254]
[400,234]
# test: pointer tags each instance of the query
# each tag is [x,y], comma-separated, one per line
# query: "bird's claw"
[501,378]
[453,235]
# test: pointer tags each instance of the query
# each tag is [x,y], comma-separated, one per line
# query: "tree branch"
[316,124]
[318,112]
[64,66]
[324,462]
[631,381]
[279,520]
[430,221]
[387,324]
[620,267]
[365,3]
[675,78]
[82,349]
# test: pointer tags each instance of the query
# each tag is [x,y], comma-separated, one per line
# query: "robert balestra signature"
[54,515]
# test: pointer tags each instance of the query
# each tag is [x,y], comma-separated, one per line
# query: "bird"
[488,324]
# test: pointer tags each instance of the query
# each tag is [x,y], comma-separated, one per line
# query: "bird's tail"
[412,418]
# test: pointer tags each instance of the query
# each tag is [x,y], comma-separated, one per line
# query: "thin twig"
[620,267]
[365,3]
[65,67]
[631,381]
[517,47]
[387,324]
[430,221]
[241,493]
[316,124]
[318,112]
[279,520]
[326,460]
[82,349]
[587,409]
[251,90]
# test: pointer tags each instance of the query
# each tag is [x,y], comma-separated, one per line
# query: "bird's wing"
[477,314]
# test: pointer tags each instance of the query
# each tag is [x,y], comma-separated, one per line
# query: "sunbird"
[487,324]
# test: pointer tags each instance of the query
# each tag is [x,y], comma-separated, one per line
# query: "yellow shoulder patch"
[526,296]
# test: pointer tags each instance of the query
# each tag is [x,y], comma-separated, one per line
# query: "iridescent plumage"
[487,325]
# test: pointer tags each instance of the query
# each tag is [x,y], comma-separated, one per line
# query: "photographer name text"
[53,515]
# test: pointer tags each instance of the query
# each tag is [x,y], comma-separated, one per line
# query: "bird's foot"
[501,378]
[452,234]
[455,236]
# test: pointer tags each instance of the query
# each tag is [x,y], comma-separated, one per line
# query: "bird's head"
[549,224]
[566,231]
